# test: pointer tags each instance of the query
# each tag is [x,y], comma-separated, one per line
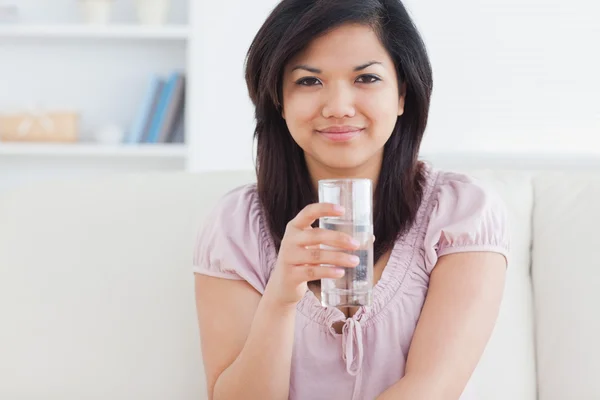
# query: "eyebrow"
[366,65]
[318,71]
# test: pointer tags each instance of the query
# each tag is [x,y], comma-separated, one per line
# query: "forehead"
[346,46]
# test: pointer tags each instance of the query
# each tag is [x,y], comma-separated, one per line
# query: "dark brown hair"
[284,184]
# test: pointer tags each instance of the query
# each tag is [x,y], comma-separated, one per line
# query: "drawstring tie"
[352,346]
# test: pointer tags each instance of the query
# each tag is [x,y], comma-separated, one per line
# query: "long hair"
[283,181]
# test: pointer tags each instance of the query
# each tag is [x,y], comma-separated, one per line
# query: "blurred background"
[103,86]
[91,87]
[111,109]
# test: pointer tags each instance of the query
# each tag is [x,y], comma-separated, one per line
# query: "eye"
[368,78]
[308,81]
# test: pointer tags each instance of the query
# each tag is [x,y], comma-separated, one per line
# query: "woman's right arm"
[247,339]
[246,342]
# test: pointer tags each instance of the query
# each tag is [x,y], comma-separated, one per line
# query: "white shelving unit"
[80,31]
[53,60]
[148,151]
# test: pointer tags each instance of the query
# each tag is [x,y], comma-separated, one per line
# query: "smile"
[340,133]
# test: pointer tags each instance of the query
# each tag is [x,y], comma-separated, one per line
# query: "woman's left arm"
[460,311]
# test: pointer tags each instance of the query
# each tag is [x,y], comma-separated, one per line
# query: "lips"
[340,133]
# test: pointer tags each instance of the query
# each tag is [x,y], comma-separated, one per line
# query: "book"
[177,135]
[174,109]
[160,115]
[146,110]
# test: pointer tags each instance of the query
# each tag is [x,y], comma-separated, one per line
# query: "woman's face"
[341,101]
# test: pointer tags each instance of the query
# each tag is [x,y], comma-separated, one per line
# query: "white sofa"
[96,288]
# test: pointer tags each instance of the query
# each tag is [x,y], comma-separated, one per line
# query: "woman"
[342,89]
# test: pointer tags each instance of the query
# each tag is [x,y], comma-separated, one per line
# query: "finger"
[317,236]
[312,212]
[329,257]
[309,273]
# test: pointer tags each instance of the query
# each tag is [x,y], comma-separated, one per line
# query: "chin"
[342,163]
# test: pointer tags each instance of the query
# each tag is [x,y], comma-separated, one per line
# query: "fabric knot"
[352,346]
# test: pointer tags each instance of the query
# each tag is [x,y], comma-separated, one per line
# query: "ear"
[281,110]
[402,99]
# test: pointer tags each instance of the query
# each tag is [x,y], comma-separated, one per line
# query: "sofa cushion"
[96,287]
[566,283]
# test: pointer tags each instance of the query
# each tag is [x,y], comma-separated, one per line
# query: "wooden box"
[58,126]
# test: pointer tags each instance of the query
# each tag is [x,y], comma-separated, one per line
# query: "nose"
[338,103]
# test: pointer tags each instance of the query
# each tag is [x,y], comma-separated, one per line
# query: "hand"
[300,257]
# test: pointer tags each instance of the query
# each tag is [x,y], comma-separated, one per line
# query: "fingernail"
[339,208]
[355,259]
[339,272]
[354,242]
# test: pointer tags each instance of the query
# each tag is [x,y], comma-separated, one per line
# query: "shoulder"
[237,209]
[460,194]
[465,214]
[454,193]
[241,198]
[232,241]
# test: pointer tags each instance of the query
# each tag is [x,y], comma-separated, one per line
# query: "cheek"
[381,109]
[299,110]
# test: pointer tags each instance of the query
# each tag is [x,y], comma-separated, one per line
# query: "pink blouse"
[456,215]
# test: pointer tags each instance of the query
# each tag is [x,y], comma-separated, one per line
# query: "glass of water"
[355,288]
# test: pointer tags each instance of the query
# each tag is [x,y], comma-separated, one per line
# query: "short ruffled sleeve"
[231,242]
[466,216]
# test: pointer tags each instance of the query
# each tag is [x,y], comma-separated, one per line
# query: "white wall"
[511,76]
[220,112]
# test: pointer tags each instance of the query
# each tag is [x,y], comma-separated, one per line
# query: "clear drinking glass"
[355,288]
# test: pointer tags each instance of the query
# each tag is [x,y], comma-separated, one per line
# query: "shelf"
[94,150]
[80,31]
